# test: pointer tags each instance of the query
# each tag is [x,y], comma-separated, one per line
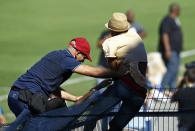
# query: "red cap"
[82,45]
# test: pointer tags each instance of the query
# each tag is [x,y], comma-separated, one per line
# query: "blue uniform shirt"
[49,72]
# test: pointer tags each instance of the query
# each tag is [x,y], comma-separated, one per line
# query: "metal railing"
[158,113]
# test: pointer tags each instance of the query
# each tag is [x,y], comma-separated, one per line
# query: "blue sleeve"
[138,27]
[71,64]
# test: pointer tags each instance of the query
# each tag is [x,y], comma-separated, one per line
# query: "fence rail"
[161,114]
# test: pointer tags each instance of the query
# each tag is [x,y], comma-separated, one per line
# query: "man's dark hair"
[189,74]
[190,71]
[190,65]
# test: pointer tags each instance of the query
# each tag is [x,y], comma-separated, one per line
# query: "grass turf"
[30,29]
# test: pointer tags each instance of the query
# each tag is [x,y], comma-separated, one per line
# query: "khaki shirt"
[128,48]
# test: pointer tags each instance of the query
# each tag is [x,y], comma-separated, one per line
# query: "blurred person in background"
[188,79]
[2,118]
[170,45]
[155,73]
[131,19]
[186,99]
[102,60]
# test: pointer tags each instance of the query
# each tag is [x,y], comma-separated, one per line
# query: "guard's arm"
[99,72]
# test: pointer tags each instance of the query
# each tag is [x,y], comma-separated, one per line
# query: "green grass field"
[30,29]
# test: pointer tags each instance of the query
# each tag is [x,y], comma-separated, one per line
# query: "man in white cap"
[124,50]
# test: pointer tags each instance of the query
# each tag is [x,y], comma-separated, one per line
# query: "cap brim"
[106,25]
[89,58]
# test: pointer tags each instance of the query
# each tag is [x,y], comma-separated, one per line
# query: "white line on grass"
[10,115]
[187,53]
[77,80]
[68,82]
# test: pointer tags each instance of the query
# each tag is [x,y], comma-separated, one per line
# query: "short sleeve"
[70,64]
[109,50]
[166,26]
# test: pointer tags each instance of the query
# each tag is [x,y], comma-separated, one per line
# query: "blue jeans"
[130,106]
[20,110]
[15,105]
[131,103]
[169,79]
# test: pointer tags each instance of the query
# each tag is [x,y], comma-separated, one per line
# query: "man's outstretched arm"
[99,72]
